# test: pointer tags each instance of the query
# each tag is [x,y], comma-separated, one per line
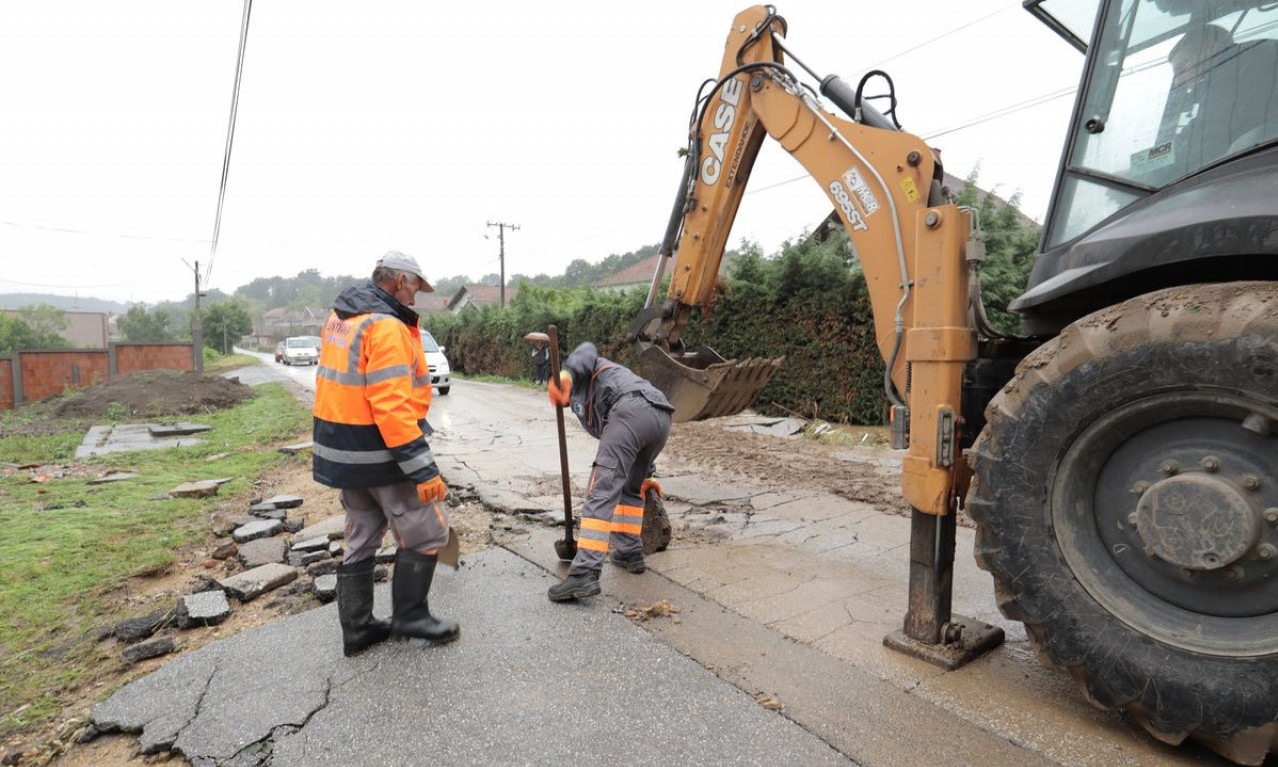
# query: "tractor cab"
[1171,89]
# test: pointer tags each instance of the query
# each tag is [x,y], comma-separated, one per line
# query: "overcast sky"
[377,124]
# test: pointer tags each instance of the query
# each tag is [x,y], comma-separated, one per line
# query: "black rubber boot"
[632,562]
[412,619]
[360,630]
[575,587]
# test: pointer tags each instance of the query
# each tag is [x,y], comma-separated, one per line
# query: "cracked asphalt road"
[529,682]
[789,569]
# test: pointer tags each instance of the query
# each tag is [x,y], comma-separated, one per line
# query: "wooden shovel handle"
[563,439]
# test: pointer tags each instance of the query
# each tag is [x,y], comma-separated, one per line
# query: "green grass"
[485,378]
[231,362]
[67,545]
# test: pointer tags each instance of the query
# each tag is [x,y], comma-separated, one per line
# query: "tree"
[225,324]
[47,323]
[15,335]
[138,326]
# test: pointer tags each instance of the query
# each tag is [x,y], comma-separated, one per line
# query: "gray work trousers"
[613,515]
[417,526]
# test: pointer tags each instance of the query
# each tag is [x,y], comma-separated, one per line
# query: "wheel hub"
[1198,521]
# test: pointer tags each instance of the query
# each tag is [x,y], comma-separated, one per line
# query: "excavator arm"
[916,253]
[880,181]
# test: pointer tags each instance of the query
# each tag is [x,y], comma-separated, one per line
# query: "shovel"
[567,548]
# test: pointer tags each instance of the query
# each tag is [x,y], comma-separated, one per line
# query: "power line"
[67,287]
[230,136]
[1002,112]
[121,235]
[941,36]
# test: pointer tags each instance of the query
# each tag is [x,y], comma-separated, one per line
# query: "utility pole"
[197,328]
[501,239]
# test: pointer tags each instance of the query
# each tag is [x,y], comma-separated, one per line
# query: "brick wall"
[49,373]
[46,374]
[133,358]
[6,384]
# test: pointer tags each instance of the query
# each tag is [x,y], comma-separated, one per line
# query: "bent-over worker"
[372,392]
[631,419]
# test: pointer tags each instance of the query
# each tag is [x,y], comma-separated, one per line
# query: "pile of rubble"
[266,549]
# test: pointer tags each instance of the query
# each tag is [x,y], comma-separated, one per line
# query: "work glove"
[560,392]
[650,484]
[432,490]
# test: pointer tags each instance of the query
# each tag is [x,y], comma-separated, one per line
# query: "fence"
[30,376]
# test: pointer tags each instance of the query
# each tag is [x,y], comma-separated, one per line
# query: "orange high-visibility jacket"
[372,392]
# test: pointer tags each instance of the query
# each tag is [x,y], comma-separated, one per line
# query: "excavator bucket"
[702,384]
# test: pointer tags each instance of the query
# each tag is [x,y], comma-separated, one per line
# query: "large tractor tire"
[1126,500]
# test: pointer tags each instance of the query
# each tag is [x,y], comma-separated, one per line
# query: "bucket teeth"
[702,384]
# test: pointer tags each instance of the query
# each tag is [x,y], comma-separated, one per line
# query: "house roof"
[430,303]
[482,295]
[635,273]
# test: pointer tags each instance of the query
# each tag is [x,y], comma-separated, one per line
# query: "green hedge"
[809,304]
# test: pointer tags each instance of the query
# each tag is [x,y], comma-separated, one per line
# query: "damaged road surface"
[529,681]
[789,565]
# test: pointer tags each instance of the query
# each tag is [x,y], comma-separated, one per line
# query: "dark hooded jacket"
[599,383]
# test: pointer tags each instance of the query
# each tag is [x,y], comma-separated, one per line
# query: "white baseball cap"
[402,262]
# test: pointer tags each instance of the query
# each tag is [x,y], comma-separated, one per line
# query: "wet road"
[785,595]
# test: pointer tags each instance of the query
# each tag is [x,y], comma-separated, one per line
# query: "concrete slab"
[107,439]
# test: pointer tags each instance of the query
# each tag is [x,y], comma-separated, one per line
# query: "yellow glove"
[650,484]
[432,490]
[561,392]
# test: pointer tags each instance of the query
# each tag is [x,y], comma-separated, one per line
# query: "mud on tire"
[1127,402]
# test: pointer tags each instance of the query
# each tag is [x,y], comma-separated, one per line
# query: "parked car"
[279,352]
[300,350]
[437,362]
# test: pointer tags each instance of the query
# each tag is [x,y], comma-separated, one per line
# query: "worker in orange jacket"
[372,392]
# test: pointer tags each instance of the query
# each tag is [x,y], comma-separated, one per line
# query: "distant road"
[304,375]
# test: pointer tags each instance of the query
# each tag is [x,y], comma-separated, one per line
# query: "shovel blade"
[566,550]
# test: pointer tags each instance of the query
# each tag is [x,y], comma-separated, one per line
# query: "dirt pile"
[152,394]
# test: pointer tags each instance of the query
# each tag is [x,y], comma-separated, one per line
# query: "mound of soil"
[153,394]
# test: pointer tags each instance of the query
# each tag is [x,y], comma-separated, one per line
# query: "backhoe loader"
[1119,456]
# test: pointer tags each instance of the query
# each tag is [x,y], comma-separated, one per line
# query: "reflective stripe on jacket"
[372,393]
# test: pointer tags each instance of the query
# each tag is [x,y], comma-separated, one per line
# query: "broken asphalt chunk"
[304,558]
[263,551]
[333,527]
[282,502]
[114,476]
[311,544]
[258,528]
[326,588]
[201,489]
[253,583]
[137,629]
[152,649]
[207,608]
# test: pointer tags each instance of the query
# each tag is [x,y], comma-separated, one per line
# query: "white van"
[437,362]
[300,350]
